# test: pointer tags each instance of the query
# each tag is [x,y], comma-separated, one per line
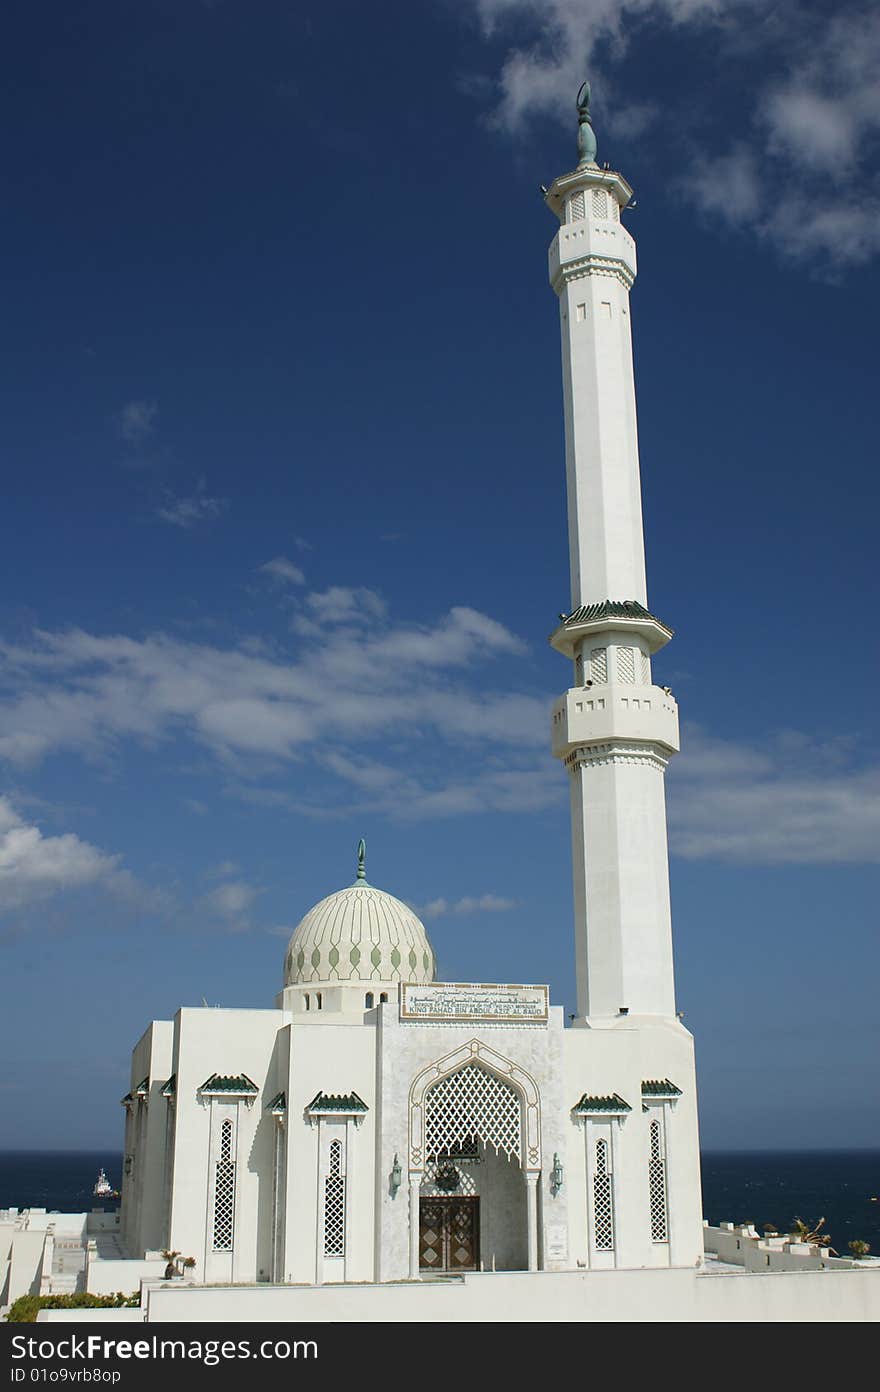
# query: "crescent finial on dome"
[362,858]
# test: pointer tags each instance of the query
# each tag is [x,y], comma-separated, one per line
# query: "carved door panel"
[463,1240]
[449,1234]
[431,1235]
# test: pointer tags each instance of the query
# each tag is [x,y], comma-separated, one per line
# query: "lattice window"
[626,665]
[472,1103]
[657,1185]
[334,1205]
[599,665]
[224,1192]
[613,210]
[578,209]
[603,1203]
[600,203]
[646,668]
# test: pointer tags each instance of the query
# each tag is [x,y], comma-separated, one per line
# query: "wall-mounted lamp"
[556,1176]
[395,1177]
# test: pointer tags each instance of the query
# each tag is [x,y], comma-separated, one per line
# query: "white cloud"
[283,571]
[797,802]
[137,420]
[556,42]
[231,902]
[728,186]
[223,870]
[804,140]
[340,605]
[35,867]
[828,108]
[385,740]
[470,904]
[188,512]
[22,748]
[90,693]
[522,785]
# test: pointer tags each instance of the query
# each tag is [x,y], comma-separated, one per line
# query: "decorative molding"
[590,265]
[618,752]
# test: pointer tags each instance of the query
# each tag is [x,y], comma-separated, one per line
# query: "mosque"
[377,1125]
[379,1145]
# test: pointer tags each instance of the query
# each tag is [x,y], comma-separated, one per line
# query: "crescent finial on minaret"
[362,858]
[586,135]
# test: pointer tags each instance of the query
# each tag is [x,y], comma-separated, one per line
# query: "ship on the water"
[103,1188]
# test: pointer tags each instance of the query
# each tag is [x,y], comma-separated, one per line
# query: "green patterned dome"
[359,934]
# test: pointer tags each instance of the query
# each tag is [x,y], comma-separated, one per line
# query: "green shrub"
[26,1308]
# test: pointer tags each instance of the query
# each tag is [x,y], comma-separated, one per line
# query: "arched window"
[657,1184]
[334,1204]
[383,999]
[319,999]
[224,1192]
[307,1002]
[369,1001]
[603,1207]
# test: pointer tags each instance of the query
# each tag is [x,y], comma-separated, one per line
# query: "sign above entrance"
[456,1000]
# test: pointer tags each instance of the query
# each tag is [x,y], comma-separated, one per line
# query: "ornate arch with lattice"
[475,1091]
[472,1102]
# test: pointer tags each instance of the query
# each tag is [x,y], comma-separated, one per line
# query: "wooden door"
[449,1234]
[463,1235]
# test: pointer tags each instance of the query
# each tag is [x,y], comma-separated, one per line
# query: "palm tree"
[812,1235]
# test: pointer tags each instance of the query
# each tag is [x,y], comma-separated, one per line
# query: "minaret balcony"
[626,617]
[601,714]
[589,176]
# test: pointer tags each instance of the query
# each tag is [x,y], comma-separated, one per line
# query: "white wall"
[143,1207]
[544,1297]
[229,1042]
[106,1277]
[617,1058]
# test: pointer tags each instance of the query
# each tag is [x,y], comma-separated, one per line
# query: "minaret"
[614,730]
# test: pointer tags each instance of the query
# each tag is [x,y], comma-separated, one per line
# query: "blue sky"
[284,515]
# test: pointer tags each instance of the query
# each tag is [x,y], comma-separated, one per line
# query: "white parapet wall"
[108,1277]
[742,1246]
[588,1297]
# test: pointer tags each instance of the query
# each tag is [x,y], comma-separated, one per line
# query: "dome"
[359,934]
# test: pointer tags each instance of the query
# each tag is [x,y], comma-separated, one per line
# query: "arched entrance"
[474,1164]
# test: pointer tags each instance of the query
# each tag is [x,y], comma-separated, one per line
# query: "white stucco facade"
[243,1179]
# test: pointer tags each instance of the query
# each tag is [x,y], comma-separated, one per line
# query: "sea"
[843,1187]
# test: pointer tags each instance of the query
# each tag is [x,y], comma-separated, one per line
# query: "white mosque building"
[376,1130]
[377,1125]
